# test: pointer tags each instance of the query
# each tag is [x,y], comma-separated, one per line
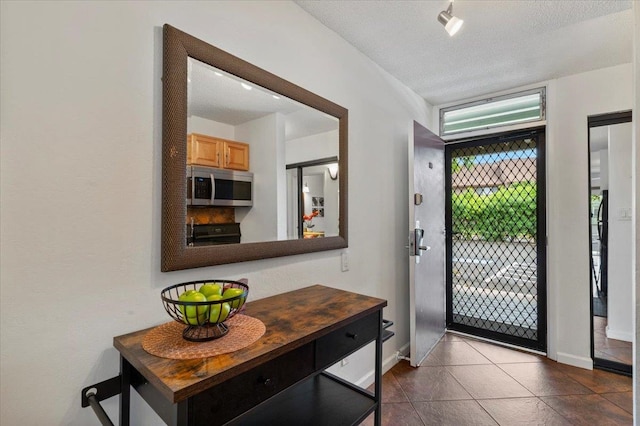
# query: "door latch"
[416,246]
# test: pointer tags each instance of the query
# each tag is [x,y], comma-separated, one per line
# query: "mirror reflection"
[260,166]
[610,146]
[312,203]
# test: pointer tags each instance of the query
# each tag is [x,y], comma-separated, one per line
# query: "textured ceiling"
[502,45]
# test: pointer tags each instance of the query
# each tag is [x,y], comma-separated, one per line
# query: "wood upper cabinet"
[210,151]
[204,150]
[236,155]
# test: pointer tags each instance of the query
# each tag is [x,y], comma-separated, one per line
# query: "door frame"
[300,201]
[541,229]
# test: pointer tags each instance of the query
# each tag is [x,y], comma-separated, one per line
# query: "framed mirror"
[229,131]
[610,144]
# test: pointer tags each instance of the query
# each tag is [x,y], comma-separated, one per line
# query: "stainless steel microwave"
[208,186]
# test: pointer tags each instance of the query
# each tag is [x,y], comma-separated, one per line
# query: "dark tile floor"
[609,349]
[469,382]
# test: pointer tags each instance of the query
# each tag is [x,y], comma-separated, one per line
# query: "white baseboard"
[619,335]
[403,351]
[366,380]
[576,361]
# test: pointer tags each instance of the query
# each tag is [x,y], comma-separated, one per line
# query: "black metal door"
[496,238]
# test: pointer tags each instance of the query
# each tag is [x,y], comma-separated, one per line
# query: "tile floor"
[610,349]
[470,382]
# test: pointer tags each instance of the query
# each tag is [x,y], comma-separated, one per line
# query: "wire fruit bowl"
[204,319]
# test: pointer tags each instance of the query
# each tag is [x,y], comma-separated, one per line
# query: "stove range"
[213,234]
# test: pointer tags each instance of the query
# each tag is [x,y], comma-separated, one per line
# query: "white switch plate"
[624,214]
[345,261]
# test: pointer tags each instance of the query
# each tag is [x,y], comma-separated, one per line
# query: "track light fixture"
[450,22]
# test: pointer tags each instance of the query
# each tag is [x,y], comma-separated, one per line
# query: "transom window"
[499,111]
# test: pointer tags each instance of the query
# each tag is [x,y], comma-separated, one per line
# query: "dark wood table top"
[292,319]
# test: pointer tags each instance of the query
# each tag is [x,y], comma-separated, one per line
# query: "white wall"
[331,205]
[80,108]
[266,138]
[570,100]
[204,126]
[314,147]
[619,319]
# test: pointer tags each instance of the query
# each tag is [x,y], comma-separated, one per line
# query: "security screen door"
[496,238]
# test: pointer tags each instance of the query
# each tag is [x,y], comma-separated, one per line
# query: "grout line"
[417,413]
[615,403]
[532,392]
[401,388]
[565,377]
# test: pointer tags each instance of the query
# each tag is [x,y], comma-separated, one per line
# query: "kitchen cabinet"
[280,379]
[235,155]
[210,151]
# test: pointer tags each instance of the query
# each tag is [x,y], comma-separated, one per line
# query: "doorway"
[312,199]
[610,197]
[496,238]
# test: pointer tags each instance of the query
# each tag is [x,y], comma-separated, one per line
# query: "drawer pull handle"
[266,382]
[353,336]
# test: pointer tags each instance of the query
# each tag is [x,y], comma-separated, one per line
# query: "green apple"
[218,312]
[199,320]
[210,288]
[234,292]
[193,314]
[185,297]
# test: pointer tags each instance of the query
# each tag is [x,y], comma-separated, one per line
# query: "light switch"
[345,261]
[624,214]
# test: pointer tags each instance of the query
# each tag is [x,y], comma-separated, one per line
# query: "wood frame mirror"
[176,255]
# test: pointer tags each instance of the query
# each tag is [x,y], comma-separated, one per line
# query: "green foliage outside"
[506,215]
[458,163]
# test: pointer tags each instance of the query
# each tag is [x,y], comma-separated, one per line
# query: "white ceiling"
[219,96]
[502,45]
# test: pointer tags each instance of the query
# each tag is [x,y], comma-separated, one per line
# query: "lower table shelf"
[322,400]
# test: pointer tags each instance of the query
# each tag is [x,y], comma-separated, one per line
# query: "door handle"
[415,241]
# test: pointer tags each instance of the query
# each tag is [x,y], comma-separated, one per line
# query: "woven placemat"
[166,340]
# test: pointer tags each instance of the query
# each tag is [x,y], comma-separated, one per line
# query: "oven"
[213,234]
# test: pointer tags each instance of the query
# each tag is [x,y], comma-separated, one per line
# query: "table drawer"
[222,403]
[340,343]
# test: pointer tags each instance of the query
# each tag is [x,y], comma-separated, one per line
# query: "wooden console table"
[280,379]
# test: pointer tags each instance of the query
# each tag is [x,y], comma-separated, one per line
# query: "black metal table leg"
[125,395]
[378,372]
